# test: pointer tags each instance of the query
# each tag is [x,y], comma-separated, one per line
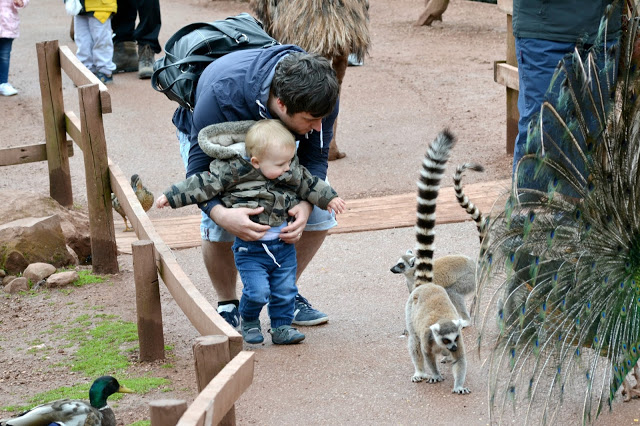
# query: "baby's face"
[275,161]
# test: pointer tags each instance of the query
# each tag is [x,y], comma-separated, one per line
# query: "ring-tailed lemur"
[433,324]
[456,273]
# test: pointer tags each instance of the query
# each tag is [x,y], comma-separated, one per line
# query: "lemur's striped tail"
[433,168]
[464,201]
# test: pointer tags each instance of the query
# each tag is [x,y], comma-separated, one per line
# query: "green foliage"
[86,277]
[141,423]
[140,385]
[101,354]
[102,346]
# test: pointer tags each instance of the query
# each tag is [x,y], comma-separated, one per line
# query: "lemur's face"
[405,265]
[446,335]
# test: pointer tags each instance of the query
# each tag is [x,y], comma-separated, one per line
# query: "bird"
[73,412]
[558,291]
[142,193]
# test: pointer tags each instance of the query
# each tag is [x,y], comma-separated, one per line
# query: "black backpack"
[193,47]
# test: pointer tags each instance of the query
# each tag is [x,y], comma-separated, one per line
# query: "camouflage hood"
[224,140]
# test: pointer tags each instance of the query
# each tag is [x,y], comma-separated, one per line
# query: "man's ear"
[281,106]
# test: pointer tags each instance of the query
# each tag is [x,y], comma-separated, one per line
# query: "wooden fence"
[223,370]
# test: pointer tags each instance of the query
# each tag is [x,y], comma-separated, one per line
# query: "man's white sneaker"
[6,89]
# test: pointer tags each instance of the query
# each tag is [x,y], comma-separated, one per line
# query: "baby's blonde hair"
[267,133]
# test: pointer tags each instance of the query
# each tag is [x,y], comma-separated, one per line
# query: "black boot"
[125,56]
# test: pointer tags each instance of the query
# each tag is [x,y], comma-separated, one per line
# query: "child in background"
[9,30]
[270,176]
[93,36]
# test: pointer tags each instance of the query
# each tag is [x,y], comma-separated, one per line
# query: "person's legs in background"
[123,23]
[84,41]
[6,89]
[102,49]
[126,56]
[146,35]
[537,60]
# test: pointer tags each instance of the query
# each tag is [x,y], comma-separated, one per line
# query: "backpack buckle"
[242,39]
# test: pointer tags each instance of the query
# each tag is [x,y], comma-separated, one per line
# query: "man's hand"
[292,232]
[237,222]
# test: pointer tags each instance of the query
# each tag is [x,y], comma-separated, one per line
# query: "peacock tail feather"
[562,260]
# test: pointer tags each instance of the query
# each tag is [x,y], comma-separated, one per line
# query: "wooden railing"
[223,370]
[506,73]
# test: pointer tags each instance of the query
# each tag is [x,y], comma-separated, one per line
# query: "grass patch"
[139,385]
[102,345]
[86,277]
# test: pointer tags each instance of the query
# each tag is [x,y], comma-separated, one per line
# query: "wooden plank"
[81,76]
[195,306]
[506,6]
[72,125]
[221,392]
[513,114]
[506,74]
[28,154]
[52,114]
[367,214]
[104,252]
[148,306]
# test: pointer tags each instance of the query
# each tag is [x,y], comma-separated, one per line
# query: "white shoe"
[6,89]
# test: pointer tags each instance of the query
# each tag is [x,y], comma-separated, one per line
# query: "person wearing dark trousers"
[144,36]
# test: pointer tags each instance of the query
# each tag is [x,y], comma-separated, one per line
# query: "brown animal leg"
[432,12]
[339,64]
[126,226]
[72,32]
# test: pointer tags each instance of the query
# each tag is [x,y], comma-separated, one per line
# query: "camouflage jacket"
[239,184]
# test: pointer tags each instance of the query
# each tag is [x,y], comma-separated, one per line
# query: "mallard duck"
[74,412]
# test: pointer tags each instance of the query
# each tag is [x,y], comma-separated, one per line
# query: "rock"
[16,285]
[38,271]
[33,240]
[74,222]
[73,255]
[61,279]
[6,280]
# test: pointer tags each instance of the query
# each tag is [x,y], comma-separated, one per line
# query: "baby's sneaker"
[286,335]
[251,332]
[6,89]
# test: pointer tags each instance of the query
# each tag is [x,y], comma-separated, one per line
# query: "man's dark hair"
[306,82]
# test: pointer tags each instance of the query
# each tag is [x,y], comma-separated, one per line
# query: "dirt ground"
[355,369]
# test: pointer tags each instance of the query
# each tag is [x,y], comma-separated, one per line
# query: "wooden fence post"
[54,127]
[104,252]
[166,412]
[513,115]
[211,354]
[149,309]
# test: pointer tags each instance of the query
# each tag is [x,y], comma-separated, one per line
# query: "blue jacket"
[236,87]
[564,20]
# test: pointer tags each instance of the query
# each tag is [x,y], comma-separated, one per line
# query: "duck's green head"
[102,388]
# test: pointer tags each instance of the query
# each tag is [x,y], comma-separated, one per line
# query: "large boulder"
[32,240]
[74,222]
